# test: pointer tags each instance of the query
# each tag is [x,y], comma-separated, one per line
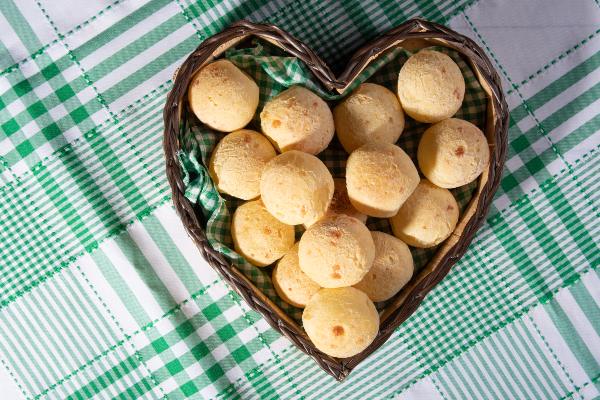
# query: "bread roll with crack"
[237,162]
[298,119]
[258,236]
[341,322]
[223,96]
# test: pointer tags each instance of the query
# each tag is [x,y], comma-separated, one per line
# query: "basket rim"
[194,225]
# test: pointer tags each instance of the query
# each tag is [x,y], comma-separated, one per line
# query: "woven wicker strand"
[408,300]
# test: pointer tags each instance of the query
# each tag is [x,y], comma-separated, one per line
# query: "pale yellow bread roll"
[291,284]
[237,162]
[453,153]
[372,113]
[380,177]
[258,236]
[427,218]
[431,86]
[222,96]
[298,119]
[336,251]
[296,188]
[340,203]
[392,268]
[341,322]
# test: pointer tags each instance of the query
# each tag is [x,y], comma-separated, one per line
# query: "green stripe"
[6,59]
[559,389]
[493,370]
[478,379]
[145,271]
[104,212]
[570,336]
[119,284]
[81,52]
[568,216]
[108,377]
[158,64]
[66,325]
[543,236]
[24,351]
[463,385]
[169,249]
[534,367]
[262,385]
[588,305]
[20,25]
[239,11]
[110,160]
[429,9]
[7,343]
[578,135]
[393,12]
[451,383]
[122,56]
[355,11]
[519,256]
[139,388]
[512,370]
[579,103]
[99,324]
[118,28]
[63,205]
[557,86]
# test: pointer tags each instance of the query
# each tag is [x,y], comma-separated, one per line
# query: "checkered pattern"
[103,295]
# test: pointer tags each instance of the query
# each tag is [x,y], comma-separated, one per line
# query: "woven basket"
[412,35]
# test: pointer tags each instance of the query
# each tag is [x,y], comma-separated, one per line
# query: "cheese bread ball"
[453,153]
[371,113]
[341,322]
[340,203]
[427,218]
[298,119]
[291,284]
[258,236]
[336,251]
[222,96]
[296,188]
[392,268]
[431,86]
[380,177]
[237,162]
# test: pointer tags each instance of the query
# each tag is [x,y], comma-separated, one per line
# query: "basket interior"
[274,71]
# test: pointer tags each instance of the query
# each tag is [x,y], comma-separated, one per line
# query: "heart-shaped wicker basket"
[413,34]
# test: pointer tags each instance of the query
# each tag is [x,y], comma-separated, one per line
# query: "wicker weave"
[414,33]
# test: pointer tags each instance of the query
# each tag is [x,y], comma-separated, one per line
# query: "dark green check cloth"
[103,295]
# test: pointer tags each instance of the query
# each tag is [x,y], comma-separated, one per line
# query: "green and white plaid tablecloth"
[102,294]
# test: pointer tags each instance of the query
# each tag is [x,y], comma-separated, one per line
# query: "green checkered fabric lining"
[274,72]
